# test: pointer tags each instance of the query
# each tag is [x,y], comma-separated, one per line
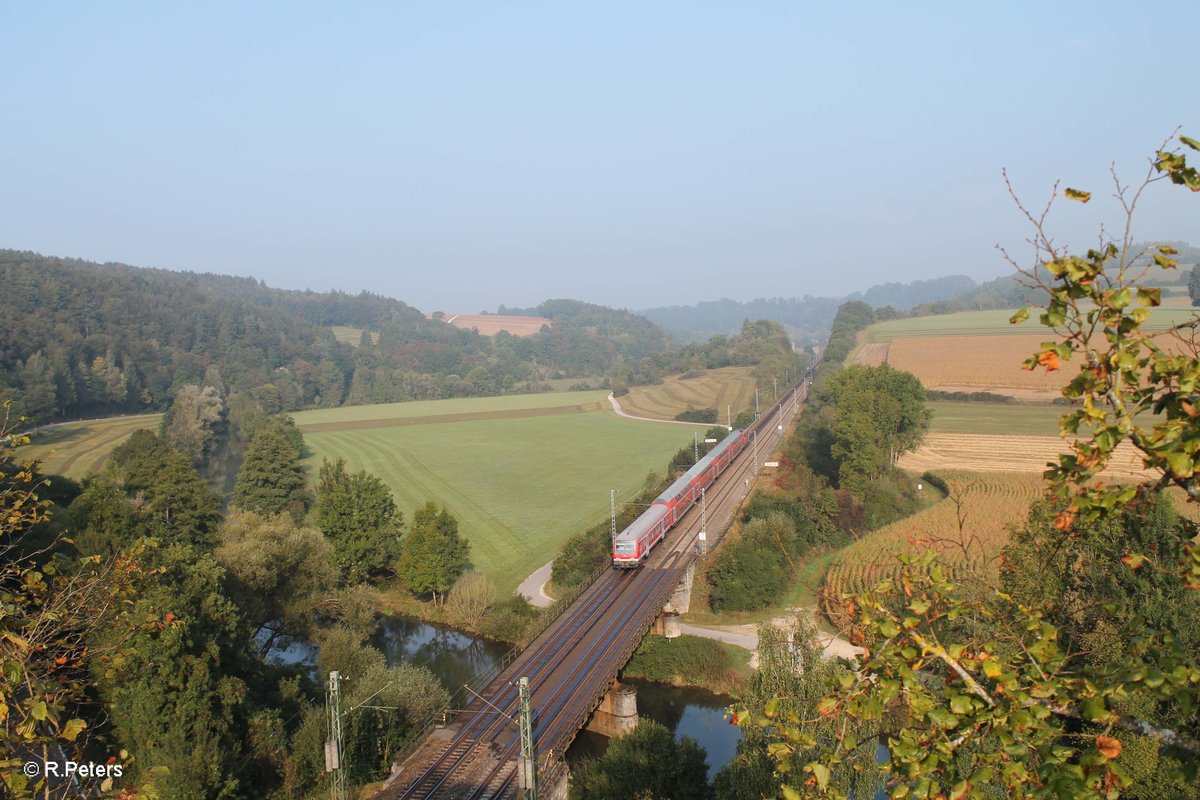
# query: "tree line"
[82,339]
[147,616]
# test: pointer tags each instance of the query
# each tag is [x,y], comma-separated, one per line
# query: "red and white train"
[632,546]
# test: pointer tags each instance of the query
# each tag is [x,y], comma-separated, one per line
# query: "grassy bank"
[690,661]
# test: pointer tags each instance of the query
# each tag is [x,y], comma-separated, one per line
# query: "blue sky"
[463,155]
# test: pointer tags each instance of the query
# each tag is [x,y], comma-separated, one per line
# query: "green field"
[998,419]
[522,473]
[347,335]
[79,449]
[1019,419]
[990,323]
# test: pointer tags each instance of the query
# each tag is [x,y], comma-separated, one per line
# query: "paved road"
[746,637]
[533,587]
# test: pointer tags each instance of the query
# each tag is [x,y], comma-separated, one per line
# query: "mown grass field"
[991,323]
[714,388]
[522,473]
[347,335]
[1024,419]
[79,449]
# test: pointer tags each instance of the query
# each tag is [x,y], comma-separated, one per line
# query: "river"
[455,657]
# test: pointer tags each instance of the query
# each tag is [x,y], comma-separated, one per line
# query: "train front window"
[625,548]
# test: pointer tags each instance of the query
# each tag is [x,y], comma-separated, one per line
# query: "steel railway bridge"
[574,662]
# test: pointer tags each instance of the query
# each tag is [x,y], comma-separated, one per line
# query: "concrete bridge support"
[667,624]
[555,783]
[681,599]
[617,713]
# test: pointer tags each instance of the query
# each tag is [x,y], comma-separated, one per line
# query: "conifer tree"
[271,480]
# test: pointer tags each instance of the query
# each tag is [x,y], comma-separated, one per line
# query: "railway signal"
[612,503]
[528,757]
[334,744]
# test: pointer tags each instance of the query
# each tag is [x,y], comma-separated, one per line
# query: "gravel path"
[617,408]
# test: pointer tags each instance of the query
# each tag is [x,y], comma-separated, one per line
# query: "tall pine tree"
[271,480]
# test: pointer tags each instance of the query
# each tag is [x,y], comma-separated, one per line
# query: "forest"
[79,339]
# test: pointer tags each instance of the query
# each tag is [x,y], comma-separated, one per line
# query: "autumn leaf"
[1109,747]
[1064,520]
[1133,560]
[1049,360]
[1077,194]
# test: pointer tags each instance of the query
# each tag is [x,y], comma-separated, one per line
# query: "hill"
[807,319]
[81,339]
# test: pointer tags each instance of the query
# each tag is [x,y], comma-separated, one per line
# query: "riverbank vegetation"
[159,617]
[690,661]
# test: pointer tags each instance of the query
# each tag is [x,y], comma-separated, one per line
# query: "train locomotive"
[632,546]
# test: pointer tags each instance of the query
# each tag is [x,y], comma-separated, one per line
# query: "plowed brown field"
[975,363]
[871,355]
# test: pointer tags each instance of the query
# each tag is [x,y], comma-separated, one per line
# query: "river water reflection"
[685,712]
[456,658]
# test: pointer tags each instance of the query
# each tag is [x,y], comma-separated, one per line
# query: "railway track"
[571,664]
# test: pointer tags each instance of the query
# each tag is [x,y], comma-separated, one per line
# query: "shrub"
[745,576]
[705,415]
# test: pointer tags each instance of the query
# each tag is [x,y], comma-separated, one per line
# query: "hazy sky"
[462,155]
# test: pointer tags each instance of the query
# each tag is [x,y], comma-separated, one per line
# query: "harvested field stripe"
[79,449]
[474,416]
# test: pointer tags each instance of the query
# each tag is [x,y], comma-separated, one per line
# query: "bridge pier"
[667,625]
[617,714]
[556,782]
[681,598]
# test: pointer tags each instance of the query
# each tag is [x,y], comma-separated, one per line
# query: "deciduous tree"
[276,571]
[434,554]
[998,694]
[646,763]
[356,511]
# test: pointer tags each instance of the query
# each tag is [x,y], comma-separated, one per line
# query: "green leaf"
[919,605]
[1190,142]
[1093,709]
[1019,317]
[1076,194]
[821,773]
[1179,463]
[72,729]
[942,718]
